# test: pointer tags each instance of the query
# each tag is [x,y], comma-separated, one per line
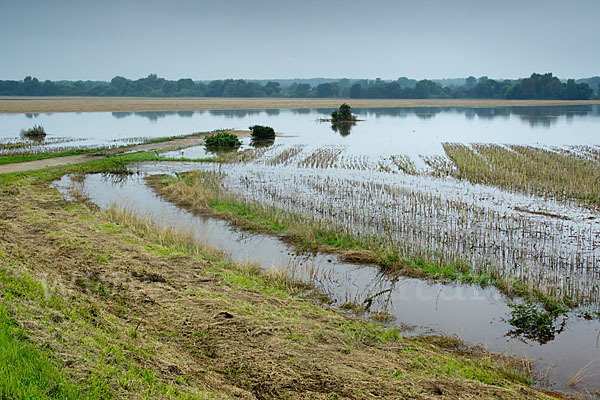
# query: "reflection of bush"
[342,127]
[534,323]
[262,142]
[222,140]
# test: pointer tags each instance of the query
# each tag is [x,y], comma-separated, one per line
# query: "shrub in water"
[222,140]
[262,132]
[37,132]
[344,113]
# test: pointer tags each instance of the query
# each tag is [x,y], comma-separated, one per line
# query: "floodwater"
[316,167]
[476,315]
[383,132]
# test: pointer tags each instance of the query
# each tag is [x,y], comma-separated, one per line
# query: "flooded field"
[476,315]
[426,182]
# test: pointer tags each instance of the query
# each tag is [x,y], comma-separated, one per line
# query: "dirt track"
[90,104]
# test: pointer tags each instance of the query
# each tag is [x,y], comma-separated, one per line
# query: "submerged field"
[539,235]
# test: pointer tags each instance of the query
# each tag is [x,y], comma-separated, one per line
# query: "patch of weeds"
[92,284]
[163,251]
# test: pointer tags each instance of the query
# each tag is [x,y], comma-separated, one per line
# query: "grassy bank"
[202,192]
[106,305]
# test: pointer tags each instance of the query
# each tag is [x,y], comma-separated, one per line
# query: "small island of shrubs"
[343,114]
[222,140]
[37,132]
[262,132]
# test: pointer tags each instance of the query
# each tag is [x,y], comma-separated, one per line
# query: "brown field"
[89,104]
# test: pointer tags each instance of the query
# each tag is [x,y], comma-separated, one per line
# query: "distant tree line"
[537,86]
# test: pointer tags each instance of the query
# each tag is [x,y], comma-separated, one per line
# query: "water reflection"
[535,116]
[256,143]
[342,127]
[155,115]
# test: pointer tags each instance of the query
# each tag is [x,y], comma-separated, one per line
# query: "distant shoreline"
[19,105]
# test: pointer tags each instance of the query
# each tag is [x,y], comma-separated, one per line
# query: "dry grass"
[87,104]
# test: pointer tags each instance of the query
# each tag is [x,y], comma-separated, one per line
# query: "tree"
[184,84]
[327,90]
[355,91]
[169,88]
[262,132]
[471,82]
[299,90]
[343,114]
[272,89]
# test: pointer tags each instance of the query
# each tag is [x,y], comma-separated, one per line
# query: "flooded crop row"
[540,242]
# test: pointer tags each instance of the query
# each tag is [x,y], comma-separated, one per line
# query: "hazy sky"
[80,39]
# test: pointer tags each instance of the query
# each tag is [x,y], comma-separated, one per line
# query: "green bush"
[343,114]
[222,140]
[262,132]
[37,132]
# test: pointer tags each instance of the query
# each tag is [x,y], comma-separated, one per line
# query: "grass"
[11,159]
[163,316]
[28,372]
[82,104]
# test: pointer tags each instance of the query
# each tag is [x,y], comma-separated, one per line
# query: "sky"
[269,39]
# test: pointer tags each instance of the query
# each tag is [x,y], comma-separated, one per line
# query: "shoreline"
[20,105]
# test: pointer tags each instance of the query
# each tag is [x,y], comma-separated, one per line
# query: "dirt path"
[80,158]
[91,104]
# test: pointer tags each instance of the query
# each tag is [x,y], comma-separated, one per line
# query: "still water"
[383,132]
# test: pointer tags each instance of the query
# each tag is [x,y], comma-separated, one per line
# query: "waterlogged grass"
[528,170]
[202,192]
[116,164]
